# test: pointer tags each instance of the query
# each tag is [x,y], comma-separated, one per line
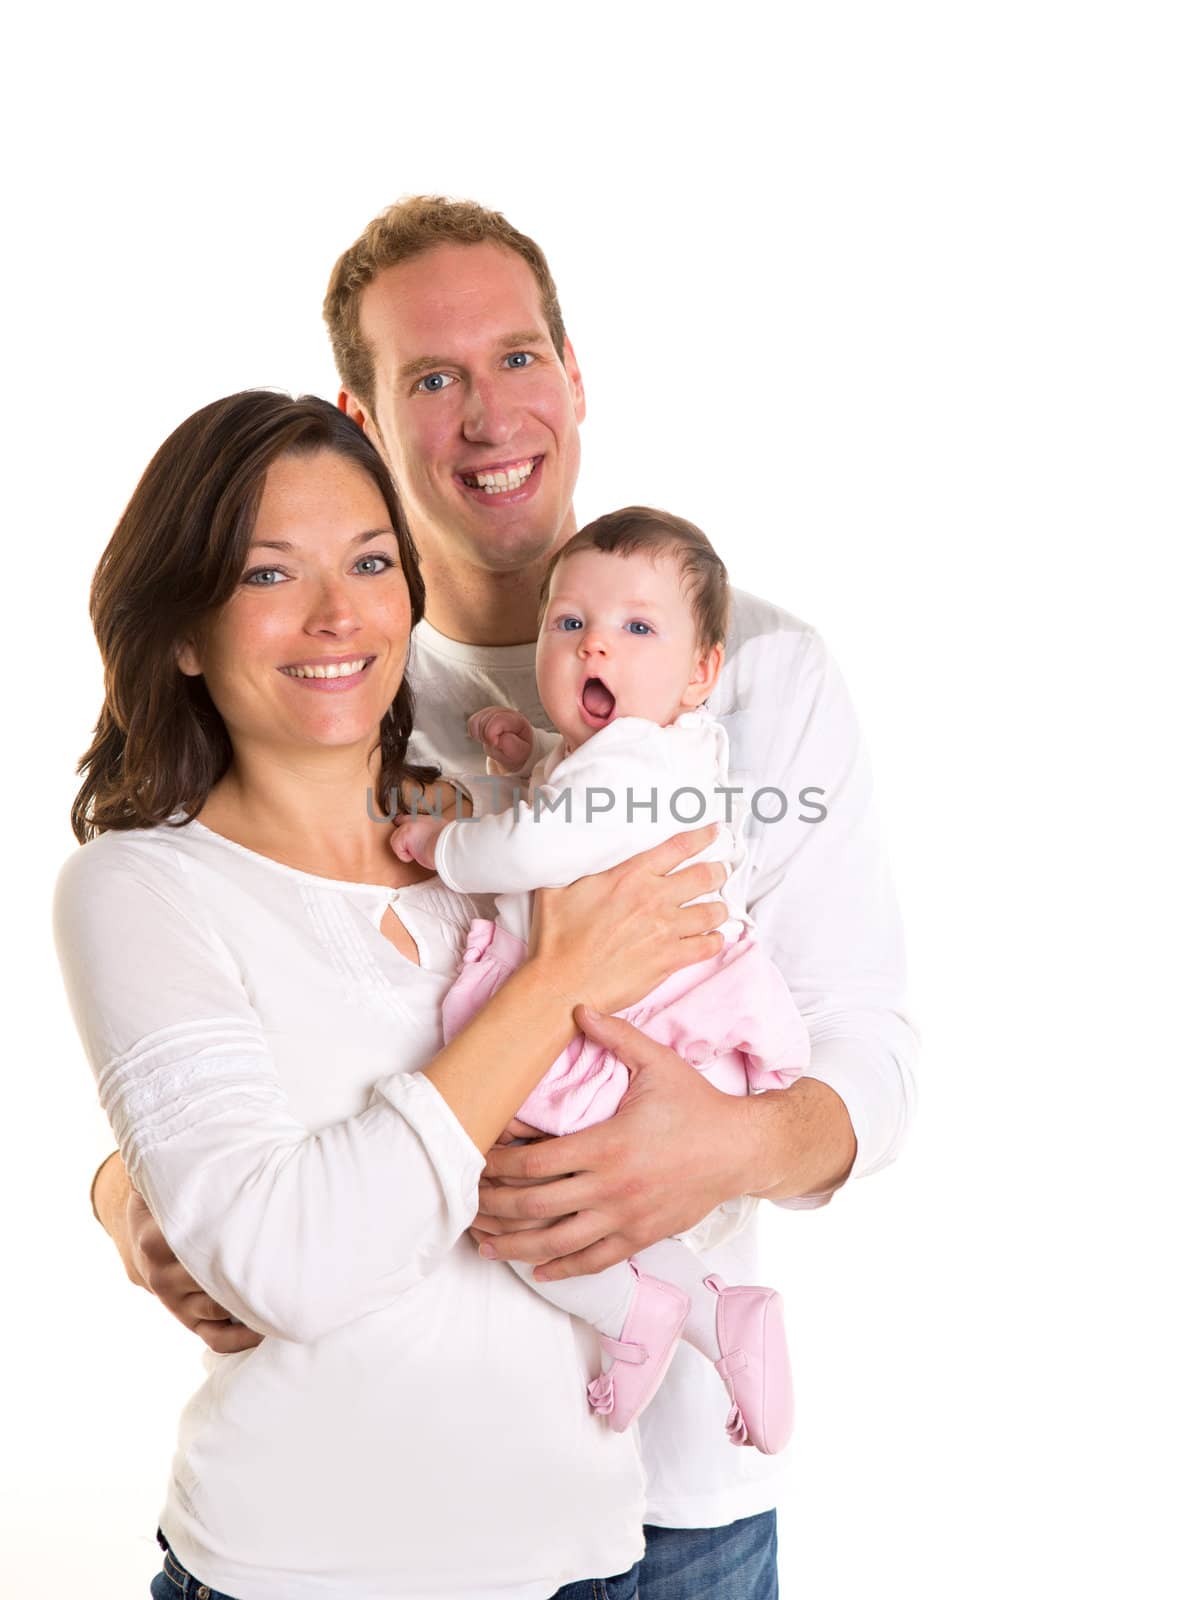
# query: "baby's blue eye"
[639,628]
[568,624]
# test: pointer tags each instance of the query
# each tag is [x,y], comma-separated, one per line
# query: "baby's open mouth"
[597,700]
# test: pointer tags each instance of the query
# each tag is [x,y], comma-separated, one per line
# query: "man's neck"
[478,607]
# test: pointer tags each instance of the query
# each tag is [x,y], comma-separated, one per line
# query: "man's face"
[474,410]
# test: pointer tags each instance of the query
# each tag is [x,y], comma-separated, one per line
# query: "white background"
[889,298]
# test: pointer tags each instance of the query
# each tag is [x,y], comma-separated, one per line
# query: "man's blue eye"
[520,359]
[434,382]
[639,628]
[569,624]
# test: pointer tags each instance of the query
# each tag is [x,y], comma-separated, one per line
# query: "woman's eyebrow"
[287,545]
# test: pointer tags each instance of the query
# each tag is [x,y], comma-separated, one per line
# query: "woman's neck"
[309,813]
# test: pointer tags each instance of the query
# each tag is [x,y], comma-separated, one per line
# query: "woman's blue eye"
[520,359]
[639,628]
[263,577]
[568,624]
[434,382]
[384,562]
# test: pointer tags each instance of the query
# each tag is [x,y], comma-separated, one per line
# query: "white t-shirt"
[415,1424]
[818,888]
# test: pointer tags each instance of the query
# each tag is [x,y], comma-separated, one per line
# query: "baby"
[630,647]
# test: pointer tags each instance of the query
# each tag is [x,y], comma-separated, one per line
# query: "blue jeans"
[736,1562]
[173,1582]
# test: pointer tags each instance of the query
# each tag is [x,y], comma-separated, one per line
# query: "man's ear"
[574,378]
[353,408]
[704,678]
[358,413]
[188,659]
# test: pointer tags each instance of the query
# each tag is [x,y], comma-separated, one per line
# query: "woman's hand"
[607,940]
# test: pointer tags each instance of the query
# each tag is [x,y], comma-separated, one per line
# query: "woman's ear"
[704,678]
[188,660]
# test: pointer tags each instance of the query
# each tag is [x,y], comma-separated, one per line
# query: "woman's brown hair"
[175,558]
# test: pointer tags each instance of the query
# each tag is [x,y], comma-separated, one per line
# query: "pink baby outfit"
[731,1017]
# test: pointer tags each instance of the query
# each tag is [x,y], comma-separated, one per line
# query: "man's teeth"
[335,669]
[502,482]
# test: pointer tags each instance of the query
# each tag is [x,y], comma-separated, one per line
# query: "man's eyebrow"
[286,545]
[411,369]
[509,341]
[531,336]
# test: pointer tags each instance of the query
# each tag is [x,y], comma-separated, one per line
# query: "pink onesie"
[731,1017]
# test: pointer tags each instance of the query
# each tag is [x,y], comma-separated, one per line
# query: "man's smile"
[510,481]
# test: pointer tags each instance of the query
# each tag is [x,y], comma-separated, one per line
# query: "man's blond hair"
[411,226]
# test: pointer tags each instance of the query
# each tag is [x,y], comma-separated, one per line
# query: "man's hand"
[675,1149]
[590,1199]
[151,1264]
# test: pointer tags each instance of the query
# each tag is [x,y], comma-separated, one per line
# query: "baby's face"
[619,640]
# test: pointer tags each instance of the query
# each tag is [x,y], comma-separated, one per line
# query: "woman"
[257,980]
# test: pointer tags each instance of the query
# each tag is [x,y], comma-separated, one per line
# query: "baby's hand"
[415,839]
[504,735]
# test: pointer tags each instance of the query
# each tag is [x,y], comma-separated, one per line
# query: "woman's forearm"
[489,1069]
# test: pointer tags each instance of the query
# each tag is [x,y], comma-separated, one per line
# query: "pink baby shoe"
[754,1365]
[643,1354]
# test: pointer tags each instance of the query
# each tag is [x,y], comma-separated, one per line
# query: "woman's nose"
[334,611]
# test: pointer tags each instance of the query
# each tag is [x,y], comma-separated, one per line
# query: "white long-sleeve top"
[824,910]
[414,1424]
[630,786]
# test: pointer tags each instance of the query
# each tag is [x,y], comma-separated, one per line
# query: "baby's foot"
[754,1365]
[642,1355]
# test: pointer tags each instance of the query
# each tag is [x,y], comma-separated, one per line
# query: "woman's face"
[309,651]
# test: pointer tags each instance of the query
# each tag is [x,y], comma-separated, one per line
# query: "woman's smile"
[333,675]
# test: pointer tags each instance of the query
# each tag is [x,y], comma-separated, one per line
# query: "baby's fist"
[505,736]
[415,839]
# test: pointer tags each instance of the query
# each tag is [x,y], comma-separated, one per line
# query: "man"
[453,358]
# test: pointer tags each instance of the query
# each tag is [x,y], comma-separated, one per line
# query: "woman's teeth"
[335,669]
[501,482]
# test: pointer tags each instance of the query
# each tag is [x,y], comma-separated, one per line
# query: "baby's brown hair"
[643,528]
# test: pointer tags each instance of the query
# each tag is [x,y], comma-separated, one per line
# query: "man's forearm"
[802,1141]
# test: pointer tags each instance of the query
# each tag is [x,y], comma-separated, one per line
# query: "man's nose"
[489,416]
